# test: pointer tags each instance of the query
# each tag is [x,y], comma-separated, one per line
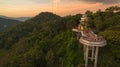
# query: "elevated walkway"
[91,41]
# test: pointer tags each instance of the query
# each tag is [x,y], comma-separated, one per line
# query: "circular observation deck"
[92,43]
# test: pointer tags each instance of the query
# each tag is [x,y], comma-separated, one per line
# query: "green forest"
[47,40]
[6,23]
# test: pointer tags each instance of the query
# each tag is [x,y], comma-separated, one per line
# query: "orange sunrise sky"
[29,8]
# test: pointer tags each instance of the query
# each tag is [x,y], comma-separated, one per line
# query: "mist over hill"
[7,23]
[16,18]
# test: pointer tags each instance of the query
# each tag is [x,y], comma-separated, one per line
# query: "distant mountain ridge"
[15,18]
[7,23]
[22,18]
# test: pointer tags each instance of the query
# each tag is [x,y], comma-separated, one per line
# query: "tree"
[113,9]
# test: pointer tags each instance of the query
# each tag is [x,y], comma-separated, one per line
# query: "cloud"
[102,1]
[94,1]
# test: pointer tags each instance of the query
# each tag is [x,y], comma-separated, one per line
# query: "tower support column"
[84,50]
[93,52]
[86,56]
[96,56]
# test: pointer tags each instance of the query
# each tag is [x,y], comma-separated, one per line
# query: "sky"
[29,8]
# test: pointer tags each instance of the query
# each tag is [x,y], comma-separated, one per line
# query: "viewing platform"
[90,43]
[90,40]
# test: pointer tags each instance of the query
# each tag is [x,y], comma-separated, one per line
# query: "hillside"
[2,16]
[42,38]
[47,41]
[7,23]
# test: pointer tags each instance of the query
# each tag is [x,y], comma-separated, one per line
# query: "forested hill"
[43,17]
[7,23]
[47,41]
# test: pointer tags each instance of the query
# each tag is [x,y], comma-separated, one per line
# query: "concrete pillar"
[84,49]
[96,56]
[93,51]
[86,56]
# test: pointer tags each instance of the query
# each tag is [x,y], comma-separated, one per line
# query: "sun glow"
[17,8]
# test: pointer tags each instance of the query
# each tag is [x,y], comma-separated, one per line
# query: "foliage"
[7,23]
[47,41]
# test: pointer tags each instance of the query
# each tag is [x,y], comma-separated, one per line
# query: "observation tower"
[91,41]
